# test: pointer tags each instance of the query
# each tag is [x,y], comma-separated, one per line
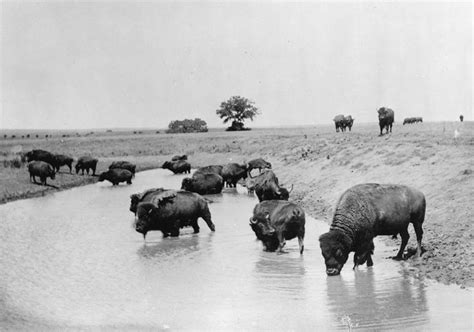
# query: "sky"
[78,65]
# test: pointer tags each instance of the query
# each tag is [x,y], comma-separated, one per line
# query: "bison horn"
[290,189]
[253,220]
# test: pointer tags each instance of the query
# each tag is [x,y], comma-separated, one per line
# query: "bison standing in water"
[365,211]
[145,196]
[203,183]
[386,119]
[177,167]
[86,163]
[41,169]
[124,165]
[170,210]
[276,221]
[259,163]
[116,175]
[267,188]
[233,172]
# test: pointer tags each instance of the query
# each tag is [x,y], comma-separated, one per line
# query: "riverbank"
[319,163]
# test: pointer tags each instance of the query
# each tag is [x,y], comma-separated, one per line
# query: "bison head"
[166,165]
[134,200]
[144,217]
[264,231]
[187,184]
[334,250]
[103,176]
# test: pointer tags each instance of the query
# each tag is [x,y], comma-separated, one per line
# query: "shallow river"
[73,260]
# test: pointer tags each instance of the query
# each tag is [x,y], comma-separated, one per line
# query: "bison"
[177,167]
[267,188]
[203,183]
[276,221]
[386,119]
[62,160]
[124,165]
[339,122]
[258,163]
[40,155]
[365,211]
[233,172]
[86,163]
[41,169]
[171,210]
[116,175]
[145,196]
[179,157]
[348,122]
[461,118]
[217,169]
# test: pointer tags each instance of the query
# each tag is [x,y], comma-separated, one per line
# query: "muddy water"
[72,260]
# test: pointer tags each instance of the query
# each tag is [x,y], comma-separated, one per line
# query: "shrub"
[187,126]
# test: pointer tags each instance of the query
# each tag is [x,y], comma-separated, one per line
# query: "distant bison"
[461,118]
[365,211]
[171,210]
[386,119]
[233,172]
[259,164]
[339,122]
[203,183]
[116,175]
[86,163]
[41,169]
[177,167]
[412,120]
[276,221]
[124,165]
[62,160]
[179,157]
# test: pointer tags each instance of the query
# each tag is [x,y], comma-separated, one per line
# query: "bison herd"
[362,212]
[386,120]
[44,164]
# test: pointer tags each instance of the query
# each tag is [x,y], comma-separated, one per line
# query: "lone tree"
[237,109]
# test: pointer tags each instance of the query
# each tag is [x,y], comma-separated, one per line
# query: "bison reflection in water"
[276,221]
[365,211]
[169,210]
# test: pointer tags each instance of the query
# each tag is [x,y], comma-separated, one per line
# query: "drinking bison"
[145,196]
[177,167]
[258,163]
[86,163]
[116,175]
[124,165]
[203,183]
[365,211]
[386,119]
[62,160]
[276,221]
[233,172]
[171,210]
[41,169]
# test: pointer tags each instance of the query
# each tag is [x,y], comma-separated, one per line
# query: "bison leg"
[207,218]
[174,231]
[405,236]
[195,226]
[129,181]
[419,237]
[369,261]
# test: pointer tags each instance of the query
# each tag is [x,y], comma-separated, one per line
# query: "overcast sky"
[103,64]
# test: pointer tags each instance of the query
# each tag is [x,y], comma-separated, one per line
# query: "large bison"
[124,165]
[41,169]
[203,183]
[62,160]
[386,119]
[233,172]
[259,164]
[177,167]
[276,221]
[266,187]
[145,196]
[171,210]
[365,211]
[86,163]
[116,175]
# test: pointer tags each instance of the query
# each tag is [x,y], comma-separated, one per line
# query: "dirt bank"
[321,165]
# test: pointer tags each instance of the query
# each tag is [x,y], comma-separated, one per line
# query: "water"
[73,260]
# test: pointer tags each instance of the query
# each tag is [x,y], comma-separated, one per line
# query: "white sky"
[103,64]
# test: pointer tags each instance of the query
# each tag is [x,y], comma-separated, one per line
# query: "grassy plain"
[320,163]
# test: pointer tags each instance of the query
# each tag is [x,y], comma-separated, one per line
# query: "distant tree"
[187,126]
[237,109]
